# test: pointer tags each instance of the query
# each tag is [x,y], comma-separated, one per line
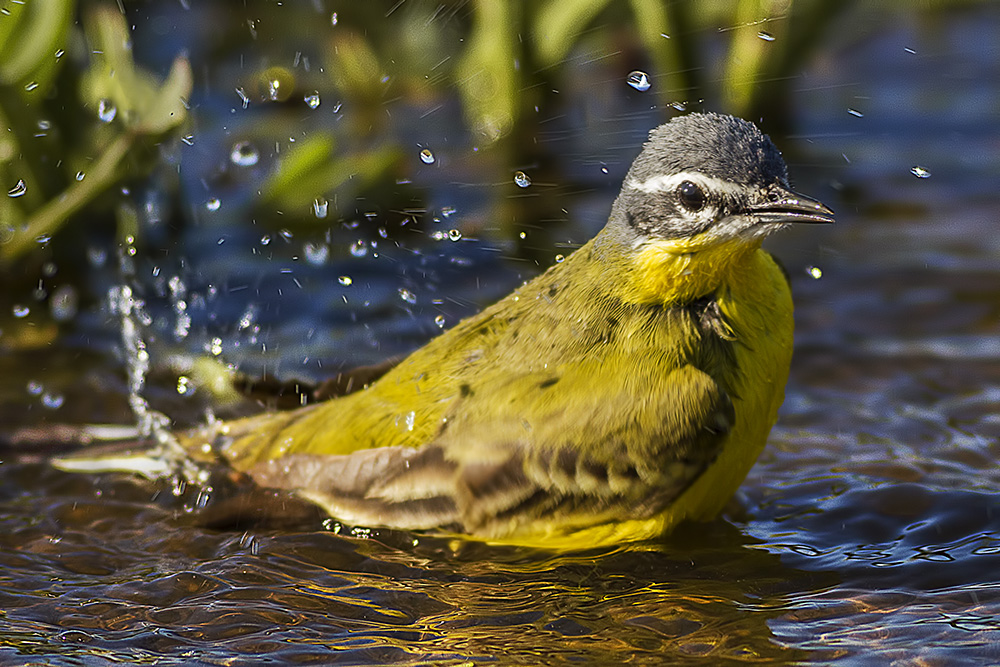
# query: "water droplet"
[316,253]
[52,401]
[312,99]
[855,113]
[214,347]
[407,296]
[184,385]
[106,110]
[19,189]
[346,281]
[188,139]
[359,248]
[333,18]
[44,125]
[31,86]
[920,172]
[35,388]
[426,156]
[49,269]
[448,211]
[523,235]
[454,235]
[320,207]
[559,259]
[274,90]
[244,154]
[439,321]
[521,179]
[815,272]
[766,36]
[64,303]
[265,239]
[201,502]
[639,80]
[249,315]
[20,310]
[80,175]
[213,204]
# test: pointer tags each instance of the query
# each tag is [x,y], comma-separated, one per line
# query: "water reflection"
[116,573]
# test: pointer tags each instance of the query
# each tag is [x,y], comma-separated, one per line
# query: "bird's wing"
[569,445]
[590,453]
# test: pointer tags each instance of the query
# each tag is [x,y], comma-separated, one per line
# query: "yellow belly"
[757,304]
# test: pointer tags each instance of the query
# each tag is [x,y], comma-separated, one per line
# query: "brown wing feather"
[489,476]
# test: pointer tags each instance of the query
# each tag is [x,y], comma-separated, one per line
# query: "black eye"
[691,196]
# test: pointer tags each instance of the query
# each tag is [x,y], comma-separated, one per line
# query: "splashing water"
[168,457]
[106,110]
[321,207]
[178,293]
[639,80]
[244,154]
[123,304]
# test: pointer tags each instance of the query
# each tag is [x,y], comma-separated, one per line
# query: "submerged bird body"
[625,389]
[601,419]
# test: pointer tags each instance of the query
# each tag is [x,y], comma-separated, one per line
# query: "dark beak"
[783,206]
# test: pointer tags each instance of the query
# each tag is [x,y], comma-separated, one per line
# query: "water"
[639,81]
[868,532]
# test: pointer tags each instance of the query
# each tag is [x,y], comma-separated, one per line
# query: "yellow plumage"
[536,335]
[628,388]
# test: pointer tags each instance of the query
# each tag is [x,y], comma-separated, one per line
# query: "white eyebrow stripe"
[669,183]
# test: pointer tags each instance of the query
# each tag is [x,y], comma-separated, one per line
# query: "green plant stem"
[50,217]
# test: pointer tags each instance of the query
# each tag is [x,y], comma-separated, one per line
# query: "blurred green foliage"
[82,118]
[508,49]
[503,60]
[71,138]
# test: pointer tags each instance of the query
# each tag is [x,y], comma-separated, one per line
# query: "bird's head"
[705,189]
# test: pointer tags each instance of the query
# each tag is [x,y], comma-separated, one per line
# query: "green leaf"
[487,78]
[311,170]
[559,23]
[166,107]
[144,105]
[298,165]
[30,35]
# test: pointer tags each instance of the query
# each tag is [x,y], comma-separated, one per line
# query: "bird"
[624,390]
